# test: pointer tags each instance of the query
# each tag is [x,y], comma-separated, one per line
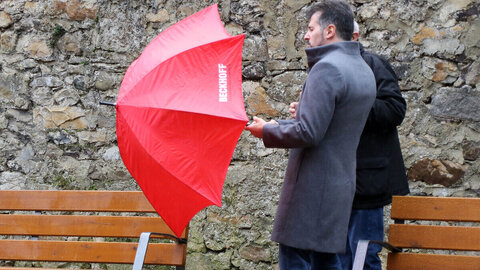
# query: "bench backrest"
[459,231]
[82,226]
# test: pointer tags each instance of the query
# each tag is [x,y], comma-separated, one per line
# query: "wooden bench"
[455,230]
[83,227]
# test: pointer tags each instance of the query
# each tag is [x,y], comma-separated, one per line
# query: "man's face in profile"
[314,35]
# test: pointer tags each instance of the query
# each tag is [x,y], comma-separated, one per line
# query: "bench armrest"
[362,248]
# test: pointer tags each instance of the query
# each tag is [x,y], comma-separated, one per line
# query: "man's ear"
[355,36]
[330,31]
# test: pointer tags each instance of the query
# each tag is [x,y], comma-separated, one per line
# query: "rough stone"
[471,150]
[255,253]
[39,49]
[5,19]
[368,11]
[48,81]
[3,122]
[42,96]
[28,64]
[75,9]
[286,87]
[275,67]
[295,5]
[254,71]
[112,154]
[215,237]
[12,181]
[60,117]
[72,173]
[276,47]
[33,8]
[452,7]
[443,172]
[234,29]
[444,47]
[466,102]
[85,137]
[79,83]
[61,137]
[70,44]
[27,153]
[160,17]
[472,38]
[257,103]
[425,33]
[7,41]
[66,97]
[104,81]
[445,70]
[254,49]
[18,115]
[473,76]
[208,261]
[6,87]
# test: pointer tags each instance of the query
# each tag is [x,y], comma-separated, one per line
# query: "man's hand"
[256,128]
[293,109]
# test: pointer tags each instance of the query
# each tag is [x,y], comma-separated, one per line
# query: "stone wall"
[59,58]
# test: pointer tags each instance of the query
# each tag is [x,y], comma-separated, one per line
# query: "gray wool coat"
[317,194]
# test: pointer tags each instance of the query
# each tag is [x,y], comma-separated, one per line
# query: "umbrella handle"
[108,103]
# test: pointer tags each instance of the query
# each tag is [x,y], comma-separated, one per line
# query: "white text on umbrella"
[222,83]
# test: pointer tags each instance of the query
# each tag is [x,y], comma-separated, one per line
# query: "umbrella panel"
[191,81]
[182,168]
[196,30]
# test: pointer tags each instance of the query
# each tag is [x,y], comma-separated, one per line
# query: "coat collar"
[315,54]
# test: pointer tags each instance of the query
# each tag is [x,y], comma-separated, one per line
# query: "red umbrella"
[180,114]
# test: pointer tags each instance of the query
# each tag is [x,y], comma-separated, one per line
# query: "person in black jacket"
[380,168]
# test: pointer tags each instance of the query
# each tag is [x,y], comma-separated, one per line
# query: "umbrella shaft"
[108,103]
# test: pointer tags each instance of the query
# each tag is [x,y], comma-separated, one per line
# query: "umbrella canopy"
[180,114]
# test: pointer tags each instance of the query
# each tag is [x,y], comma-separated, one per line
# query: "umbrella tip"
[108,103]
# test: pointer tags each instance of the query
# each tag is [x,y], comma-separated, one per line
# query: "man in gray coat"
[316,199]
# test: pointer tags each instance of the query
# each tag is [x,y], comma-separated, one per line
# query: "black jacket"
[380,167]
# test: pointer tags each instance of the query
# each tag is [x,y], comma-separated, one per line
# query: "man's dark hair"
[337,13]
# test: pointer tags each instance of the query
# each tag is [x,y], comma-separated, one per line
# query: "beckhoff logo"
[222,83]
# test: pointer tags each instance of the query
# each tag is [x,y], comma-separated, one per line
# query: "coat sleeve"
[389,108]
[324,86]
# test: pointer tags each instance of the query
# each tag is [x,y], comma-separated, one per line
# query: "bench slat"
[75,200]
[95,226]
[435,237]
[82,251]
[435,208]
[403,261]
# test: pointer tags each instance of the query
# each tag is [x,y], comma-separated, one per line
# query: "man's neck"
[334,40]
